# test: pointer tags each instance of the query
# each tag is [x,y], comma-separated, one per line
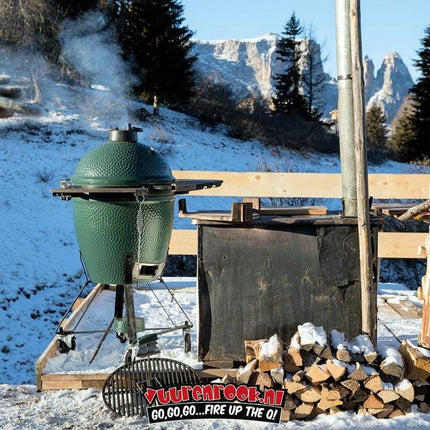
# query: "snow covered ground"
[40,270]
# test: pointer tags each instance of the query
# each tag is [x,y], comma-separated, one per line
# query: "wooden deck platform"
[399,317]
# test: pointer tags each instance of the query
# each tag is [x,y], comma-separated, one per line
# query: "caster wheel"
[121,337]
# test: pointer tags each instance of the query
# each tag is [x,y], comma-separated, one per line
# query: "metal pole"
[368,306]
[345,109]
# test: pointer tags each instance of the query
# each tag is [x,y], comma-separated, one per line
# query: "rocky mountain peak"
[248,66]
[391,85]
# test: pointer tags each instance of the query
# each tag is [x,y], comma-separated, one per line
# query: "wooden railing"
[318,185]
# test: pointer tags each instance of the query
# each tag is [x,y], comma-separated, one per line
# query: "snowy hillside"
[40,271]
[40,268]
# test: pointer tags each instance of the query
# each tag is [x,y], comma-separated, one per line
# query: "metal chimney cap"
[128,134]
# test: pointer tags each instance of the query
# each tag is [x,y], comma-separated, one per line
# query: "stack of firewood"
[328,374]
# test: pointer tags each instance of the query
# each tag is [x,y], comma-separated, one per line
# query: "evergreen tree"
[154,38]
[313,76]
[376,130]
[288,97]
[404,133]
[420,146]
[73,8]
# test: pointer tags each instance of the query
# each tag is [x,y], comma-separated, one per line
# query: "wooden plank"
[268,184]
[294,210]
[51,349]
[183,242]
[390,245]
[405,308]
[74,376]
[400,245]
[61,385]
[322,185]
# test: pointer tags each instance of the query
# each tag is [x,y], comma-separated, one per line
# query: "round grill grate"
[123,391]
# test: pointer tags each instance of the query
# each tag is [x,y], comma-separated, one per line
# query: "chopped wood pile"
[328,374]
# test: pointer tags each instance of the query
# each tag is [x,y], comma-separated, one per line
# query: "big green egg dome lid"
[122,162]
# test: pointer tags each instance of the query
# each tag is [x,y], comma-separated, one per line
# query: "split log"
[392,366]
[406,390]
[341,346]
[387,394]
[292,360]
[358,374]
[263,381]
[417,361]
[244,373]
[373,402]
[352,385]
[277,375]
[336,369]
[326,404]
[292,387]
[299,376]
[228,379]
[271,351]
[286,415]
[317,374]
[397,412]
[423,407]
[385,411]
[362,349]
[252,349]
[312,337]
[315,412]
[303,411]
[359,396]
[404,405]
[373,383]
[309,395]
[330,393]
[309,359]
[290,402]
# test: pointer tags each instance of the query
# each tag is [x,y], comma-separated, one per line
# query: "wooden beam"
[400,245]
[321,185]
[183,242]
[390,245]
[51,349]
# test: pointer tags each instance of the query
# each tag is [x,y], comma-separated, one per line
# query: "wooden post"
[424,336]
[368,307]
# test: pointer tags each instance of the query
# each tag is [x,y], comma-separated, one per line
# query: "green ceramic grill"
[106,223]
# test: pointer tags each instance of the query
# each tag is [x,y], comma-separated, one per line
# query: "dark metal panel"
[258,280]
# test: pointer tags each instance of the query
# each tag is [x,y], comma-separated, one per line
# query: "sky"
[387,25]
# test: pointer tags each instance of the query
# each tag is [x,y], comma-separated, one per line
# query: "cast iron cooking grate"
[123,390]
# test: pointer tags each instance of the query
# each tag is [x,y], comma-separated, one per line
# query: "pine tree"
[376,130]
[73,8]
[420,92]
[154,38]
[313,76]
[288,97]
[404,133]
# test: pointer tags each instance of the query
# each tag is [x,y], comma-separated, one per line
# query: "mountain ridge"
[247,66]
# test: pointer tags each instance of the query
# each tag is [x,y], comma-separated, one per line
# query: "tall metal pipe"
[346,108]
